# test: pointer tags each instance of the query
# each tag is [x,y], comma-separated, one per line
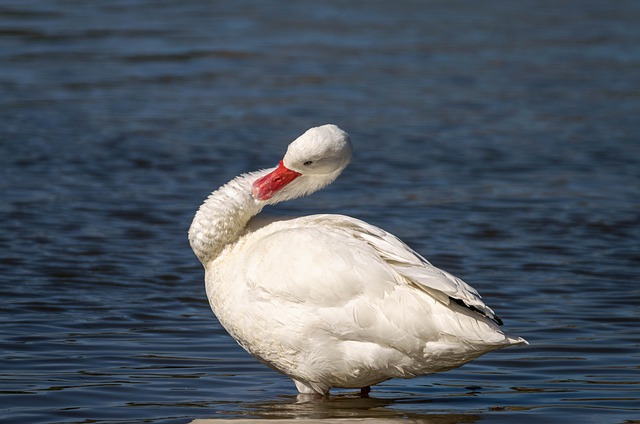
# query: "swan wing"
[350,257]
[413,268]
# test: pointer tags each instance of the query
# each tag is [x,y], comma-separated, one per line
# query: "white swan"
[330,300]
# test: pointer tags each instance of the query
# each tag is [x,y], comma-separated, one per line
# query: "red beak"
[265,187]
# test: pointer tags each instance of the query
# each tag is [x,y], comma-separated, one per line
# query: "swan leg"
[364,391]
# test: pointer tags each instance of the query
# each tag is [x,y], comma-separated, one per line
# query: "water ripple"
[497,140]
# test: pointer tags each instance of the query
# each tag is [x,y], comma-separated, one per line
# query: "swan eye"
[307,163]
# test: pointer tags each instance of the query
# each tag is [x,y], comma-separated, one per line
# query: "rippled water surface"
[499,139]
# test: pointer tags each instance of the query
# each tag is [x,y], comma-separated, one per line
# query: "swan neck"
[223,216]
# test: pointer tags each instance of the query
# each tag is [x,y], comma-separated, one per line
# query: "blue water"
[499,139]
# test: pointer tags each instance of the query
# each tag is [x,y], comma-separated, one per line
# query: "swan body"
[330,300]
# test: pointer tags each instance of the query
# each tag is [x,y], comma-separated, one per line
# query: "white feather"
[330,300]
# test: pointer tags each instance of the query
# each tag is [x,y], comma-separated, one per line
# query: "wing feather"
[416,269]
[336,238]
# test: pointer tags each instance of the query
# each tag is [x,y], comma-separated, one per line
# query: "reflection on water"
[498,139]
[348,406]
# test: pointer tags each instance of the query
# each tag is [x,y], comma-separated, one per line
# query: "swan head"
[312,161]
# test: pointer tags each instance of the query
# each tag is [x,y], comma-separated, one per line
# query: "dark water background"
[500,139]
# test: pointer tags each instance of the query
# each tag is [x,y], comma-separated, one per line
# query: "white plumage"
[330,300]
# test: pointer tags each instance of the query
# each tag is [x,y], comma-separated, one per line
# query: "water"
[500,140]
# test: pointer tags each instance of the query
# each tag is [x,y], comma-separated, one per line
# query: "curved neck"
[222,218]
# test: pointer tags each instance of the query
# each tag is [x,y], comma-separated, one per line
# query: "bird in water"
[330,300]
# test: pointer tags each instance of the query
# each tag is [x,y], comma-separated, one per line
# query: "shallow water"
[500,140]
